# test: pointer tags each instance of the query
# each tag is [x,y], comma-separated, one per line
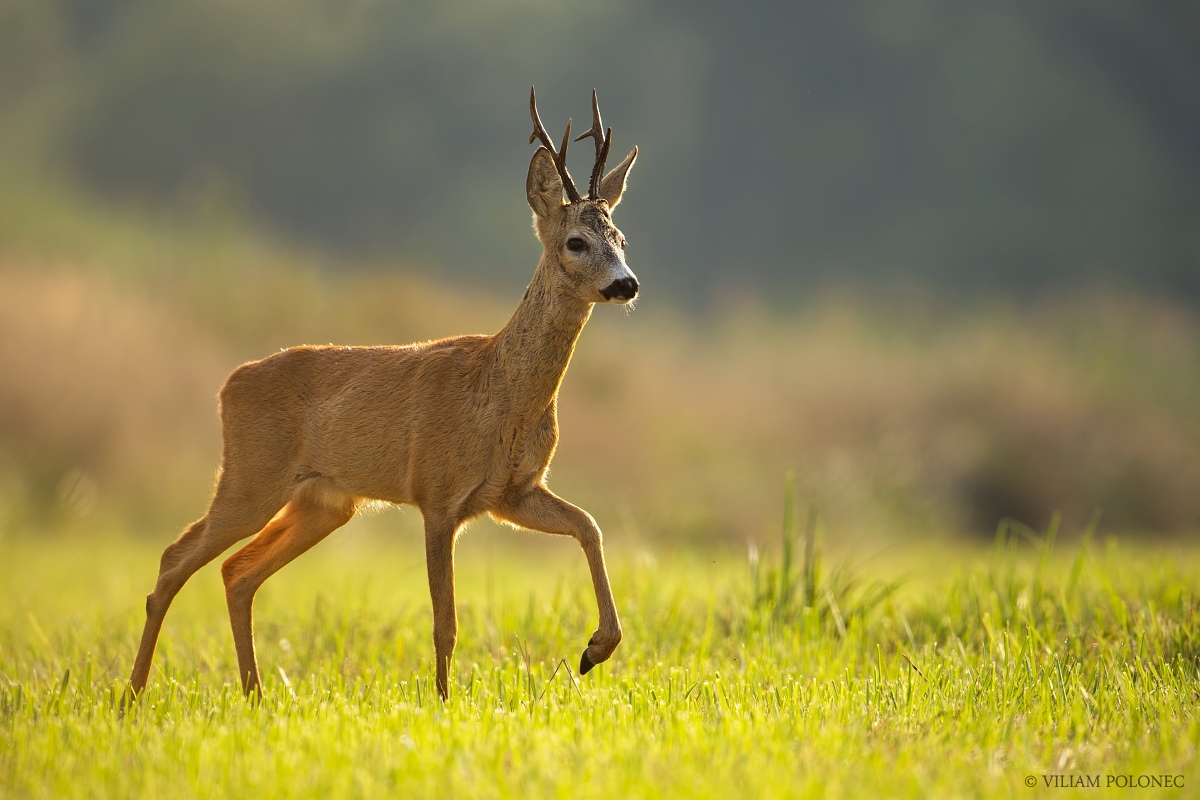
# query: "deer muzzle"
[622,290]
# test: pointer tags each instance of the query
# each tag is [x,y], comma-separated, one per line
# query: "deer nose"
[621,289]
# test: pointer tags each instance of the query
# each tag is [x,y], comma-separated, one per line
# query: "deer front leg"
[439,559]
[542,510]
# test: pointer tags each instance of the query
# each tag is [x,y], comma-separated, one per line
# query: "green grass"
[980,669]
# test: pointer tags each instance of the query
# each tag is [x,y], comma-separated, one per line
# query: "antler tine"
[562,150]
[539,130]
[597,130]
[603,140]
[598,170]
[558,156]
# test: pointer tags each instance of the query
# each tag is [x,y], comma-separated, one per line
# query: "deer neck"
[535,346]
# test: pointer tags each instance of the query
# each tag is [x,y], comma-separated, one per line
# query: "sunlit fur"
[458,427]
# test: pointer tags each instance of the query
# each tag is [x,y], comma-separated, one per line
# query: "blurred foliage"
[912,415]
[1019,147]
[188,185]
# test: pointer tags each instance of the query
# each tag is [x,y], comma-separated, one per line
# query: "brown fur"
[458,427]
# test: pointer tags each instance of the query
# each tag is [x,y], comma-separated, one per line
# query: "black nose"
[621,289]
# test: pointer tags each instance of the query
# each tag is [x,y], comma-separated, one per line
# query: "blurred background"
[940,260]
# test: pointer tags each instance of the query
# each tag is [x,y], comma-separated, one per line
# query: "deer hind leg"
[542,510]
[440,534]
[304,521]
[238,510]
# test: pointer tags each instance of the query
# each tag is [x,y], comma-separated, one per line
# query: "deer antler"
[559,156]
[603,140]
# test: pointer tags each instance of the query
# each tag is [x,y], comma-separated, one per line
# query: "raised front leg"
[439,559]
[542,510]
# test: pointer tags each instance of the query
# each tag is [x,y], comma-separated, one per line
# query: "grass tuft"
[807,594]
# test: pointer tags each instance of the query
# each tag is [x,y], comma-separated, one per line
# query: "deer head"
[584,253]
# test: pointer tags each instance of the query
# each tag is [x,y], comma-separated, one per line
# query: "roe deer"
[458,427]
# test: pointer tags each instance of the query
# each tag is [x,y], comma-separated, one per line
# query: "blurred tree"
[1019,147]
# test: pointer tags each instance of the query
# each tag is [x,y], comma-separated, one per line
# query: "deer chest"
[529,446]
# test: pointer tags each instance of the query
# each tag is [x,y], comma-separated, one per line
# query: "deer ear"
[612,185]
[543,187]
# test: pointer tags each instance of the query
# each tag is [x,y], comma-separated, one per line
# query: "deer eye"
[576,245]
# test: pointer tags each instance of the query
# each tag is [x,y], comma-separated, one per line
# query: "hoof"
[585,664]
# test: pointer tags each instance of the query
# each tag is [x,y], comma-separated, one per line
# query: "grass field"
[980,671]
